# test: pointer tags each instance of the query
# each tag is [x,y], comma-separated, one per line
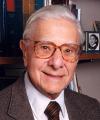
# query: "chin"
[52,94]
[54,91]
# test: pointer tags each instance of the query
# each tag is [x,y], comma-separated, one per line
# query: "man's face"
[92,40]
[50,76]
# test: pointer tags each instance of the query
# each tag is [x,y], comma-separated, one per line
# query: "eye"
[45,47]
[68,50]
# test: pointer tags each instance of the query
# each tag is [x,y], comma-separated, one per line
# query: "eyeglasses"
[46,49]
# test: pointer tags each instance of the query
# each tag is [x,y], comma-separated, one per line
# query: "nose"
[56,61]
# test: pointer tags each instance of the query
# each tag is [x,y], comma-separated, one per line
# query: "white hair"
[54,12]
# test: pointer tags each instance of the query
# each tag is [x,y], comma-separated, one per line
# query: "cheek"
[70,70]
[34,68]
[35,65]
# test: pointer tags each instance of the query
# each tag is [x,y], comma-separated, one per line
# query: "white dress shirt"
[39,102]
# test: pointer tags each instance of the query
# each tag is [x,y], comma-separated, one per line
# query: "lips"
[54,75]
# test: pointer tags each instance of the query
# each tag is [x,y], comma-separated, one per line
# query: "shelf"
[18,60]
[87,56]
[11,60]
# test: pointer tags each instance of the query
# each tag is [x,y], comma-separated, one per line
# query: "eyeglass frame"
[56,47]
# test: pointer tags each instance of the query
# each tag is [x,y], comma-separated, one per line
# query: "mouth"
[53,75]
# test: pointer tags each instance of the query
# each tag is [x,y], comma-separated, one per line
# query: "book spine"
[47,2]
[28,8]
[39,4]
[2,26]
[13,31]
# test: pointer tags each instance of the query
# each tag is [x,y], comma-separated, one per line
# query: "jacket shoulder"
[81,98]
[5,95]
[87,105]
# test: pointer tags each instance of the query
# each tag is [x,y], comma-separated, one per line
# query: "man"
[51,46]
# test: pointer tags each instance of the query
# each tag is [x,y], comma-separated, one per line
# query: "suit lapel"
[74,111]
[19,107]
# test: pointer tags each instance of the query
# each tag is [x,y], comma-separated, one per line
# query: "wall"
[90,11]
[88,76]
[88,73]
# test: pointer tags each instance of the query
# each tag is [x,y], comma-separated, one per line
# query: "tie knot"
[52,111]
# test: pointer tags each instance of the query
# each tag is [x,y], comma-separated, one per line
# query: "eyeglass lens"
[47,49]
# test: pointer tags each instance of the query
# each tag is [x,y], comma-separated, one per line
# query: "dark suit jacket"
[14,104]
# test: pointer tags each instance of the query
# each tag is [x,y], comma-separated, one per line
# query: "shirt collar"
[39,101]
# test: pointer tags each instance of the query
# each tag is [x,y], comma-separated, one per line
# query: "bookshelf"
[28,7]
[87,56]
[10,60]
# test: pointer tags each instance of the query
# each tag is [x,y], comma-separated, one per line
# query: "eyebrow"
[45,41]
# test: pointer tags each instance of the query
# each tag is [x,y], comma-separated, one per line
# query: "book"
[28,7]
[13,27]
[47,2]
[39,4]
[96,26]
[61,2]
[1,18]
[2,28]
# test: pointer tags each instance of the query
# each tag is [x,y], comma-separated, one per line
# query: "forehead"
[56,30]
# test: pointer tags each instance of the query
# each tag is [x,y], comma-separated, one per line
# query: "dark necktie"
[52,111]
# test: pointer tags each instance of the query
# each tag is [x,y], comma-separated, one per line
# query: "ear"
[24,51]
[22,44]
